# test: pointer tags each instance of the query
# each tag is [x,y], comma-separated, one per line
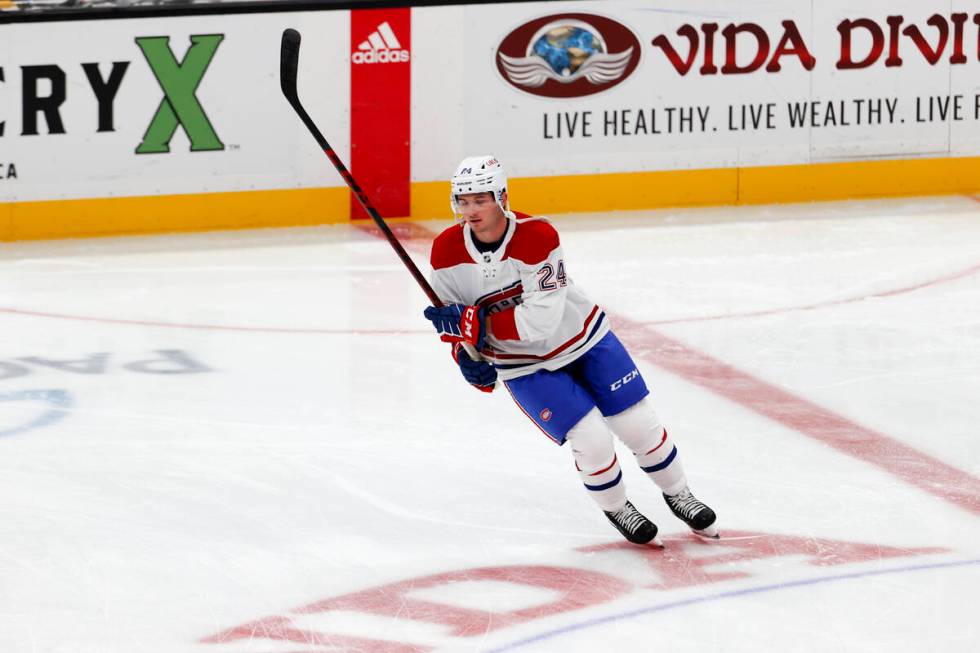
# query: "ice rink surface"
[251,442]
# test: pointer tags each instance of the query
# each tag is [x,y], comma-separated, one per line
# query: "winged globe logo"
[568,55]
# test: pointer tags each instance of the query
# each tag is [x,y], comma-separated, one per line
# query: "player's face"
[483,215]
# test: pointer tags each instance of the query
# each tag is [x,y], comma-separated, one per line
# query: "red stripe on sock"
[603,471]
[664,439]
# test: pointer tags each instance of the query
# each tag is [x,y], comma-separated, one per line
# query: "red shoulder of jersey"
[533,240]
[448,249]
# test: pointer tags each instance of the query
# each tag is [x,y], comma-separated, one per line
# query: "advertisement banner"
[604,87]
[100,109]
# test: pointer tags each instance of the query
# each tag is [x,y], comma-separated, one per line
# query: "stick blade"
[288,63]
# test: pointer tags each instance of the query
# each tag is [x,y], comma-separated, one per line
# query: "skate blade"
[710,533]
[657,542]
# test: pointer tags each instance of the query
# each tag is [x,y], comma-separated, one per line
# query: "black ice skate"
[699,517]
[634,526]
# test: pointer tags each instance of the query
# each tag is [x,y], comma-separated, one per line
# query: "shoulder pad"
[533,241]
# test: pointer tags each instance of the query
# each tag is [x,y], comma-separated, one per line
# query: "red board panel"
[380,109]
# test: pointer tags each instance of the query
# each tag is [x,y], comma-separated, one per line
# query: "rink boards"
[177,123]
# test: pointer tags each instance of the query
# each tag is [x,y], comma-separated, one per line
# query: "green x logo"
[179,82]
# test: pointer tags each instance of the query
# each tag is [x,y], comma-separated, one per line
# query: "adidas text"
[380,56]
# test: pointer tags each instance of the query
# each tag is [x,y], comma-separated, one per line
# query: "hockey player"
[508,296]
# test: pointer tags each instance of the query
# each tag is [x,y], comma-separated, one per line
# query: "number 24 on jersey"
[548,279]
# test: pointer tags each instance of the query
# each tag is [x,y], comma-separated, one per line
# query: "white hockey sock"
[639,428]
[595,460]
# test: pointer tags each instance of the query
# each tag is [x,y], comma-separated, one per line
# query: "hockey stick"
[288,65]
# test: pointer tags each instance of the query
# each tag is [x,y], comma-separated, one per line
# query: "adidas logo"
[381,46]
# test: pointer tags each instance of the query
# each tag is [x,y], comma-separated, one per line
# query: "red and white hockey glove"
[459,323]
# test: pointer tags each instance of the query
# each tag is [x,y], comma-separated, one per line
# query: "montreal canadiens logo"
[546,415]
[568,55]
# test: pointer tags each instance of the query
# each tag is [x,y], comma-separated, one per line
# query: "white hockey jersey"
[536,317]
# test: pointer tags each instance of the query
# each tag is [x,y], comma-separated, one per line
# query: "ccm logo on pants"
[623,381]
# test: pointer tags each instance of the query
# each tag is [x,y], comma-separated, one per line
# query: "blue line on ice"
[723,595]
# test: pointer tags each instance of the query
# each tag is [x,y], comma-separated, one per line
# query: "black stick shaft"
[288,63]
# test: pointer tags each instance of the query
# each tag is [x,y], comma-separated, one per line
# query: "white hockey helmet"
[479,174]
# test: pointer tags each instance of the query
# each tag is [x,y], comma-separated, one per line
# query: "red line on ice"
[417,239]
[413,243]
[209,327]
[836,302]
[846,436]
